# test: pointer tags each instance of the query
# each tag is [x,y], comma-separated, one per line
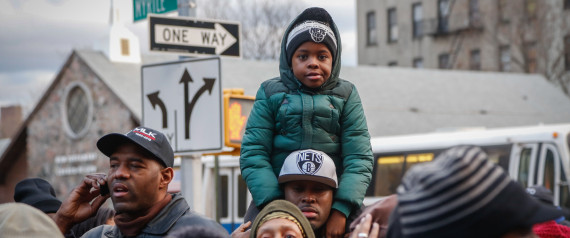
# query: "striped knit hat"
[463,194]
[314,24]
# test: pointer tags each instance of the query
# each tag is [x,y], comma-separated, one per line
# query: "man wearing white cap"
[308,179]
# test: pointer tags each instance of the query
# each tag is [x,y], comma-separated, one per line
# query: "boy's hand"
[336,224]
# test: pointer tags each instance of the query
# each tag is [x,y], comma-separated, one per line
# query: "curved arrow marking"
[189,106]
[218,38]
[154,100]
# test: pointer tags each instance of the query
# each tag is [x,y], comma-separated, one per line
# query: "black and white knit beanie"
[313,24]
[463,194]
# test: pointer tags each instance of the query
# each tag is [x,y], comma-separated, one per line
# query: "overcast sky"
[37,36]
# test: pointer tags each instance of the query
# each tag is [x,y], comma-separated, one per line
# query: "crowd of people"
[307,161]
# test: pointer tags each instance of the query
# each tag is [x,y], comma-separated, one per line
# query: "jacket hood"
[285,71]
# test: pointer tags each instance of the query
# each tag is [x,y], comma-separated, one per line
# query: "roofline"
[135,117]
[21,134]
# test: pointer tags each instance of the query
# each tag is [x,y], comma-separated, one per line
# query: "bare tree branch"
[263,22]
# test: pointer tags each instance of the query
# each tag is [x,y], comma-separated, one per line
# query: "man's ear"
[166,176]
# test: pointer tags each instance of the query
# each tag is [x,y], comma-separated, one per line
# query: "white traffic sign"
[183,100]
[192,36]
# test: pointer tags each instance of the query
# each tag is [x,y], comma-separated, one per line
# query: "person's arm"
[357,159]
[257,144]
[82,203]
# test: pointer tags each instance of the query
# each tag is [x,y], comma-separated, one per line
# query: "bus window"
[412,159]
[549,180]
[523,167]
[224,195]
[564,192]
[499,154]
[242,196]
[388,175]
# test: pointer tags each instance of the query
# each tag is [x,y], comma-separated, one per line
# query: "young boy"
[308,107]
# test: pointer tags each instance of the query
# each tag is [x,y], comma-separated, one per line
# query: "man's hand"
[82,203]
[336,224]
[241,232]
[364,228]
[380,212]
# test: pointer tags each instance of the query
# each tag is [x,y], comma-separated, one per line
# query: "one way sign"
[183,100]
[195,37]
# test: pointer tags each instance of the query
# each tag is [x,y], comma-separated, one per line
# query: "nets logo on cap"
[317,34]
[150,136]
[309,162]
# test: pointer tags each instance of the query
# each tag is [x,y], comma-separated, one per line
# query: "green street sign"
[141,8]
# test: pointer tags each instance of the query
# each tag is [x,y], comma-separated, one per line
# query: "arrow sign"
[218,38]
[154,100]
[183,100]
[192,36]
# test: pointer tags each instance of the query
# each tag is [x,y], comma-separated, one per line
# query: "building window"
[567,52]
[392,63]
[530,6]
[530,57]
[566,4]
[474,17]
[475,61]
[417,20]
[392,25]
[371,28]
[418,63]
[443,15]
[443,60]
[125,47]
[505,56]
[77,109]
[503,16]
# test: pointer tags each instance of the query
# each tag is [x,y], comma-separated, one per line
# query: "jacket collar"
[165,219]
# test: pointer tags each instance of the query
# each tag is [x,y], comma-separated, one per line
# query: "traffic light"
[236,111]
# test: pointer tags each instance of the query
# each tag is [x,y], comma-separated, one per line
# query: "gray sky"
[37,36]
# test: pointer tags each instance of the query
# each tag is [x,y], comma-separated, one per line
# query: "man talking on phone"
[140,170]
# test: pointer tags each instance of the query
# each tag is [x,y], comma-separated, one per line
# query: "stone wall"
[63,158]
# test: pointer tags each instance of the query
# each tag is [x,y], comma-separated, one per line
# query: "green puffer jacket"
[287,116]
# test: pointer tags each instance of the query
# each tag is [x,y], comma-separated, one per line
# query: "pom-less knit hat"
[463,194]
[282,209]
[150,140]
[314,24]
[37,193]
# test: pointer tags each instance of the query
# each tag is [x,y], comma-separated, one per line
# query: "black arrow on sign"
[154,99]
[186,79]
[208,85]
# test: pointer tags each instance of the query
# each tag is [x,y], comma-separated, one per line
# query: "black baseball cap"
[148,139]
[37,193]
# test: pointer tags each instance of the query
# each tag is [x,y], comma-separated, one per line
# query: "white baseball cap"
[312,165]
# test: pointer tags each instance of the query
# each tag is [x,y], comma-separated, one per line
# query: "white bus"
[532,155]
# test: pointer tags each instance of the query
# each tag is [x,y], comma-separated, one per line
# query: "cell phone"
[104,189]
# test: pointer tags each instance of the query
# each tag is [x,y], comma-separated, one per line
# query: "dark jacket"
[288,116]
[175,215]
